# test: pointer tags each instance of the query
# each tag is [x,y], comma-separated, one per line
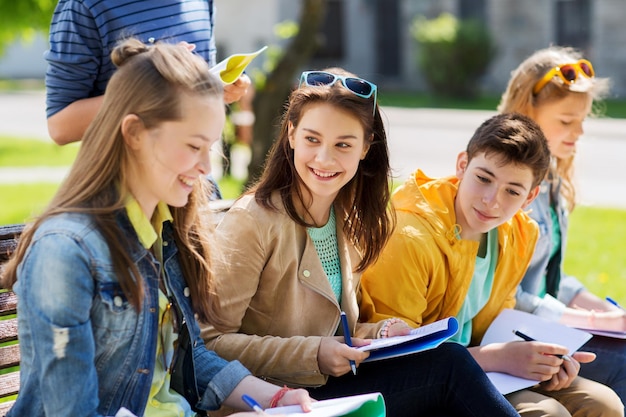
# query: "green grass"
[33,152]
[595,250]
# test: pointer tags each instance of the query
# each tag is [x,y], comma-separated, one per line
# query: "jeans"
[445,381]
[609,368]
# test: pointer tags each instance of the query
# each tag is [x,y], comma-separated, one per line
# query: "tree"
[22,19]
[269,101]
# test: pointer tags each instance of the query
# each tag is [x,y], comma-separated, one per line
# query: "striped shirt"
[84,32]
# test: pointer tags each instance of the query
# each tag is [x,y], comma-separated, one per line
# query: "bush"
[454,54]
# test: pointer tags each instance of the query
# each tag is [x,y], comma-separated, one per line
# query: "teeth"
[186,181]
[323,174]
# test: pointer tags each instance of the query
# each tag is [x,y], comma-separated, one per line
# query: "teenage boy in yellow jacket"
[460,248]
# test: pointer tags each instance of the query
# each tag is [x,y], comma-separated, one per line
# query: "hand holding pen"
[533,360]
[530,339]
[348,339]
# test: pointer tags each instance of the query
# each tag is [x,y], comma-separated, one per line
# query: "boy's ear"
[531,196]
[131,128]
[461,164]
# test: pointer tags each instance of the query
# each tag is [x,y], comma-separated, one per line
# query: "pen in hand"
[530,339]
[253,404]
[346,336]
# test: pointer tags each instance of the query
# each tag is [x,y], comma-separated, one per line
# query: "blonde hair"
[518,97]
[149,83]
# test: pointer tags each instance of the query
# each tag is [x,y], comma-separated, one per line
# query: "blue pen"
[252,404]
[346,336]
[612,301]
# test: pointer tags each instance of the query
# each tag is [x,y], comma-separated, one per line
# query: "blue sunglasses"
[358,86]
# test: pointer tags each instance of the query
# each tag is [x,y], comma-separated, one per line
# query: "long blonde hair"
[148,83]
[518,97]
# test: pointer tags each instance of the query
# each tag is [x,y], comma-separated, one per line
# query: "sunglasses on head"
[358,86]
[568,73]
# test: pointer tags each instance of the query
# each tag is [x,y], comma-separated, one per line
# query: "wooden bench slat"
[8,303]
[9,384]
[5,407]
[8,330]
[9,356]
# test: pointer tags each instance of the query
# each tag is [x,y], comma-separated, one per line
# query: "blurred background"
[440,65]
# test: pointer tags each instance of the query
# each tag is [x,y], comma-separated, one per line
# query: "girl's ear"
[461,164]
[290,135]
[366,148]
[132,127]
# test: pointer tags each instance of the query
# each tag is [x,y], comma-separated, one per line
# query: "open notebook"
[423,338]
[365,405]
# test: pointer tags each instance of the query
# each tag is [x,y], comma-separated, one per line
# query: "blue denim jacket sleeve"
[55,291]
[526,298]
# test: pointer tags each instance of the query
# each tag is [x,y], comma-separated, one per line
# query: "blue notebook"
[423,338]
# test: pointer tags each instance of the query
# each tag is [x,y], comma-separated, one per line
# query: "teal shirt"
[479,290]
[556,246]
[325,241]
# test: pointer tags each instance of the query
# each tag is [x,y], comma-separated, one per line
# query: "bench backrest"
[9,349]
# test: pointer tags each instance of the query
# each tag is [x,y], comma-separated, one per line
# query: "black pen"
[530,339]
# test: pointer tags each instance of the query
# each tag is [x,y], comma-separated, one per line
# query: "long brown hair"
[518,97]
[148,83]
[363,203]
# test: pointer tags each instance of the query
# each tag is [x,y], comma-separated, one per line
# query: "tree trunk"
[268,103]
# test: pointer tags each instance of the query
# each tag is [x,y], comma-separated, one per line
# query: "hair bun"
[126,50]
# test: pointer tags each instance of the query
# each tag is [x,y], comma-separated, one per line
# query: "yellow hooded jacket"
[425,271]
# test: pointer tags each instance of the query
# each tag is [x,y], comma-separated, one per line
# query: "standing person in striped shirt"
[84,32]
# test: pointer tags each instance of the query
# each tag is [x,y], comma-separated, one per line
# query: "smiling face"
[328,145]
[562,122]
[168,159]
[490,193]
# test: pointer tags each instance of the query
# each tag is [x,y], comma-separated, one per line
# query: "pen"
[530,339]
[346,336]
[612,301]
[252,404]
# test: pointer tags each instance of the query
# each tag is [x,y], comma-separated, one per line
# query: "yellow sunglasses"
[568,73]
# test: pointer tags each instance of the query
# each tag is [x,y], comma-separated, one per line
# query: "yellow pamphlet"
[232,67]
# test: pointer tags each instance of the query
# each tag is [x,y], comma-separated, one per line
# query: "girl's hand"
[399,328]
[334,355]
[296,397]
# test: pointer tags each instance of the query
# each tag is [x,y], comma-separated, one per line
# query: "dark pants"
[440,382]
[609,368]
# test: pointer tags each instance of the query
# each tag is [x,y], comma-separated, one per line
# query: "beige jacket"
[276,297]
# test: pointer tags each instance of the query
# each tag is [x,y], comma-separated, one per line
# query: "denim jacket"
[567,287]
[85,350]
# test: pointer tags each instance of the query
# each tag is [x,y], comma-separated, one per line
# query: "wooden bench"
[9,349]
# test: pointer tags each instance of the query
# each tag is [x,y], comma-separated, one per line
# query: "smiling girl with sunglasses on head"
[557,88]
[111,276]
[295,247]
